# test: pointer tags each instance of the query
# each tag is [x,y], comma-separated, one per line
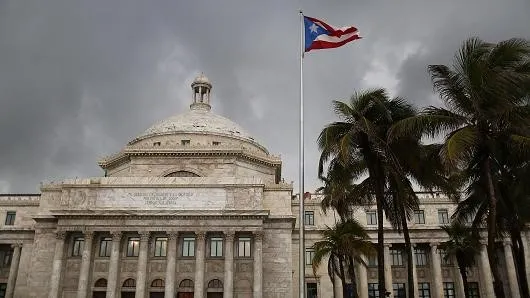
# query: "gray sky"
[79,79]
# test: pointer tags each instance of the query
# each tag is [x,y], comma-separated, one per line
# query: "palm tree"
[342,243]
[485,94]
[464,245]
[358,148]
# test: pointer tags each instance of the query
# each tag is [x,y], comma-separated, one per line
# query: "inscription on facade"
[161,198]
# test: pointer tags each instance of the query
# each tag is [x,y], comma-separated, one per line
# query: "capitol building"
[197,207]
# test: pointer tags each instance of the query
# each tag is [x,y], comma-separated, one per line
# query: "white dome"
[200,121]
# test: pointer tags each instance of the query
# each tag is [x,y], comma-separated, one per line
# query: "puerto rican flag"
[319,35]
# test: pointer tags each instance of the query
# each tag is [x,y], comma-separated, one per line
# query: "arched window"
[129,283]
[101,283]
[215,284]
[182,174]
[158,283]
[186,283]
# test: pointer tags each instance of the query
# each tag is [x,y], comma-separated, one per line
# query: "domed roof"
[199,120]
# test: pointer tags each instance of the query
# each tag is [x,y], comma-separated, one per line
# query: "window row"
[10,218]
[419,217]
[188,247]
[397,256]
[424,290]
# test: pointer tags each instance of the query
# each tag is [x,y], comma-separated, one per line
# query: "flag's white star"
[314,28]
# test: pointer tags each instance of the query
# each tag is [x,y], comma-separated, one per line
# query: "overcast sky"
[79,79]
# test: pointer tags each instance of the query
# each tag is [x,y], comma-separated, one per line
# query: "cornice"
[188,151]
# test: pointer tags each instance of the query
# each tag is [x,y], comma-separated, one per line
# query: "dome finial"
[201,87]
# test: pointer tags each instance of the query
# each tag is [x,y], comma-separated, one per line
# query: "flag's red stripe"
[320,44]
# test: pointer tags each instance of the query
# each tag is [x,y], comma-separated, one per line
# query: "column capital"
[258,235]
[88,234]
[201,235]
[60,235]
[172,235]
[144,235]
[116,235]
[507,243]
[16,245]
[229,235]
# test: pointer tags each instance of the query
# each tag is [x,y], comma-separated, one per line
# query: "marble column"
[485,271]
[414,271]
[86,260]
[141,273]
[172,239]
[228,290]
[112,280]
[510,268]
[362,278]
[388,269]
[258,264]
[57,266]
[13,270]
[199,265]
[436,272]
[526,245]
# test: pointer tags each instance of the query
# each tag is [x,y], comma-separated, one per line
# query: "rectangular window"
[309,254]
[445,260]
[243,247]
[188,247]
[312,290]
[7,255]
[371,218]
[424,290]
[372,260]
[373,290]
[161,247]
[309,218]
[399,290]
[397,256]
[216,143]
[78,245]
[3,288]
[473,290]
[419,217]
[449,290]
[216,247]
[10,218]
[105,247]
[133,246]
[421,256]
[443,216]
[184,142]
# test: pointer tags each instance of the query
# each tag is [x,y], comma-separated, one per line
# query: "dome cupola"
[201,87]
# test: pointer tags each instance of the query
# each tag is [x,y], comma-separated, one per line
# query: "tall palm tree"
[485,94]
[464,245]
[342,243]
[358,148]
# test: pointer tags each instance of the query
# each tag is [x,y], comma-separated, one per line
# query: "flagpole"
[301,267]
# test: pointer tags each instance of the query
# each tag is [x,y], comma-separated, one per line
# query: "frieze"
[101,266]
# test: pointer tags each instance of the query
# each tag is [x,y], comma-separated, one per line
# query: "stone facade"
[193,207]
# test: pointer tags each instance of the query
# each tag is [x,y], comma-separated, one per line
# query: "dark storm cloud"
[78,79]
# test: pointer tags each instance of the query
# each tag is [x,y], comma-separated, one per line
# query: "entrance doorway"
[127,294]
[214,295]
[99,294]
[185,295]
[156,295]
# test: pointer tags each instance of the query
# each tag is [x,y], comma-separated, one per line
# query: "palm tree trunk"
[380,242]
[352,277]
[408,248]
[463,273]
[520,266]
[492,233]
[343,277]
[331,272]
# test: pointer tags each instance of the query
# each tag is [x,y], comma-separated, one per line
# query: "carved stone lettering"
[161,198]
